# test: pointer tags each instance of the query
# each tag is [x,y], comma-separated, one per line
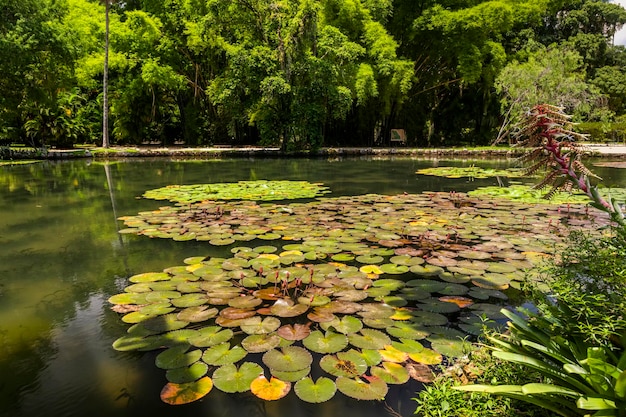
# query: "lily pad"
[427,357]
[258,343]
[329,342]
[187,374]
[316,392]
[391,373]
[256,325]
[369,339]
[211,336]
[294,332]
[223,354]
[349,364]
[230,378]
[177,357]
[270,390]
[345,325]
[365,388]
[177,394]
[288,359]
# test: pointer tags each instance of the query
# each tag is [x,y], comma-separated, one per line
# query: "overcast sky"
[620,37]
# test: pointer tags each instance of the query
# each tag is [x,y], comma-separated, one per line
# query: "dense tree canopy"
[301,73]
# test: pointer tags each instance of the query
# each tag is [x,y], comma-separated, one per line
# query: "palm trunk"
[105,81]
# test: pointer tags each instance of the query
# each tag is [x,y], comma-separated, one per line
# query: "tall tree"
[105,79]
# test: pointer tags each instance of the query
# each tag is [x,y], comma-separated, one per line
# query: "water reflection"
[61,258]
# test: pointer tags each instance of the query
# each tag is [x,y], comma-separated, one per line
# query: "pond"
[61,258]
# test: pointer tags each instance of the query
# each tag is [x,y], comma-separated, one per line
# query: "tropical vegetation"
[301,74]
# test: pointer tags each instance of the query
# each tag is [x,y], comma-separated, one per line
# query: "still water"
[61,258]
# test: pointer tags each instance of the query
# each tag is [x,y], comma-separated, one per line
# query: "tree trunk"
[105,80]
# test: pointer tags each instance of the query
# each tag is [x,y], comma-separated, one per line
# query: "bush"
[603,132]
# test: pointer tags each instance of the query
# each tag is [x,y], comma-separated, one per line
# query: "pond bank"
[269,152]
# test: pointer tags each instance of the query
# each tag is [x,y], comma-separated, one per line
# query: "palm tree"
[105,80]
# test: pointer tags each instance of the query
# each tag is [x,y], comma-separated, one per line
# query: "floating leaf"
[426,357]
[369,339]
[258,343]
[391,373]
[366,388]
[211,336]
[288,359]
[187,374]
[177,357]
[223,354]
[286,308]
[271,390]
[256,325]
[316,392]
[345,325]
[177,394]
[349,364]
[330,342]
[294,332]
[229,378]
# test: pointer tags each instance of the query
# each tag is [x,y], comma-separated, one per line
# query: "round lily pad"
[365,388]
[427,357]
[369,339]
[288,359]
[329,342]
[177,357]
[230,378]
[348,364]
[345,325]
[187,374]
[270,390]
[294,332]
[223,354]
[454,348]
[391,373]
[258,343]
[211,336]
[256,325]
[177,394]
[291,376]
[318,391]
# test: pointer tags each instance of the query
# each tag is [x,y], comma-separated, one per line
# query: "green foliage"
[590,282]
[577,340]
[442,399]
[548,75]
[603,132]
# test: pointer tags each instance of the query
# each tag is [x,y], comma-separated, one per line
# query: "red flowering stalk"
[554,147]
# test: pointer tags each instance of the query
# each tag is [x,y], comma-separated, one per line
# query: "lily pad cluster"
[242,190]
[418,224]
[233,323]
[472,172]
[528,194]
[365,291]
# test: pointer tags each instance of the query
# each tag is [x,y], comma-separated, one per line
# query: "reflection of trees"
[107,171]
